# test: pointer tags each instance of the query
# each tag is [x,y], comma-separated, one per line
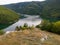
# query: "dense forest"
[7,17]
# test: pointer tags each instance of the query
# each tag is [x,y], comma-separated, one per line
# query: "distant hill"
[7,16]
[33,8]
[49,9]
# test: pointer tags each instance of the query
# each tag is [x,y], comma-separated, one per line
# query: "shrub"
[56,27]
[45,25]
[50,26]
[17,28]
[1,32]
[25,25]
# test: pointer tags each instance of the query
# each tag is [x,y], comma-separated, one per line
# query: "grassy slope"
[29,37]
[7,17]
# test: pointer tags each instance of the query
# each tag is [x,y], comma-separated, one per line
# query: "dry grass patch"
[29,37]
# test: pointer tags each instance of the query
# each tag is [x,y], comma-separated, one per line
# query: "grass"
[29,37]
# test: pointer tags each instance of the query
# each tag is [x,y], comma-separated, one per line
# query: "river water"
[30,20]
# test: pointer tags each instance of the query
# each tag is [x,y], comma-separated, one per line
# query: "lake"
[30,20]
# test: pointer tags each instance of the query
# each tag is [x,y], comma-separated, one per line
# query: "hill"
[30,37]
[33,8]
[49,9]
[7,16]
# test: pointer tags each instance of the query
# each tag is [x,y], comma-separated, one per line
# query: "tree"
[17,28]
[25,25]
[1,32]
[56,27]
[45,25]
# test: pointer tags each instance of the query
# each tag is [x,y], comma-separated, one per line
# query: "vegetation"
[26,35]
[49,9]
[56,27]
[29,37]
[7,17]
[31,8]
[25,26]
[50,26]
[1,32]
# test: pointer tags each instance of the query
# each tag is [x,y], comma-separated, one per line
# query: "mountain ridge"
[49,9]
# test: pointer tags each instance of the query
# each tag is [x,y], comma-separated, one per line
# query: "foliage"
[25,26]
[45,25]
[51,10]
[31,8]
[1,32]
[31,27]
[50,26]
[7,16]
[17,28]
[56,27]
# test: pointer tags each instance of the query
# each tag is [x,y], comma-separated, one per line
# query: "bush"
[1,32]
[56,27]
[45,25]
[38,26]
[50,26]
[25,25]
[17,28]
[31,27]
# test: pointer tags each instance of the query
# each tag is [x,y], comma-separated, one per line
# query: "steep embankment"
[30,37]
[7,16]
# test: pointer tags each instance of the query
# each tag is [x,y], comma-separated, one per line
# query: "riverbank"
[2,26]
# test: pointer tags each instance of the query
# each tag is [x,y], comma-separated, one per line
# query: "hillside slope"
[49,9]
[7,16]
[33,8]
[30,37]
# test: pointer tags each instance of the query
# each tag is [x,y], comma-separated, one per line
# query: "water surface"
[30,20]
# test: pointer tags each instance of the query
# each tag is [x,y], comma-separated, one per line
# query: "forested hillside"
[7,16]
[32,8]
[49,9]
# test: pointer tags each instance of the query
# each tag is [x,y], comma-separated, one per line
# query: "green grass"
[7,17]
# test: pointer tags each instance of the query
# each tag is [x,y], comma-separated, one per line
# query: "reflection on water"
[30,20]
